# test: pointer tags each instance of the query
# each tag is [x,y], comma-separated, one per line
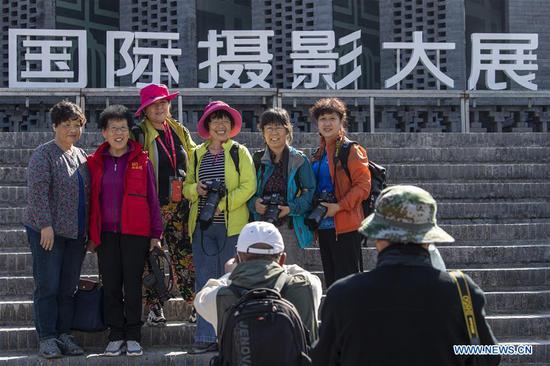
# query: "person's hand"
[201,189]
[333,208]
[47,238]
[91,246]
[218,211]
[230,265]
[260,208]
[154,243]
[284,210]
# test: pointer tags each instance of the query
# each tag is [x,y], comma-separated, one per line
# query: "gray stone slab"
[152,356]
[174,334]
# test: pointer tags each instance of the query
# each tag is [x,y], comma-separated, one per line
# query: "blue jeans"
[56,274]
[210,252]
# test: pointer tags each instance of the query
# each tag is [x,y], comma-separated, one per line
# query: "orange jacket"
[350,195]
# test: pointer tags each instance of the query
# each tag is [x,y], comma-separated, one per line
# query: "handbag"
[88,307]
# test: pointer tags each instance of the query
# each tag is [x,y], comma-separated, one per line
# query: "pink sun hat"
[151,93]
[219,106]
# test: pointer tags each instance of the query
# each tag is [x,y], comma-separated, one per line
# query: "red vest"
[135,212]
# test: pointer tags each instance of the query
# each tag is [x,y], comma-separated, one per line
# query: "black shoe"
[203,347]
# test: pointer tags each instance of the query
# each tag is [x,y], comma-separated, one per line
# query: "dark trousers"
[121,259]
[340,257]
[56,273]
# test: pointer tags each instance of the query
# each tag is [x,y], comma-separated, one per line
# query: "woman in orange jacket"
[339,241]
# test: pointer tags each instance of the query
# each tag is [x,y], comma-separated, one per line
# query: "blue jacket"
[299,199]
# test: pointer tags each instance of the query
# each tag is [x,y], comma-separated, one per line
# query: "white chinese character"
[508,52]
[313,57]
[245,50]
[419,49]
[353,55]
[142,58]
[47,60]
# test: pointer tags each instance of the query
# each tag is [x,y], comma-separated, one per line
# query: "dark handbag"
[88,307]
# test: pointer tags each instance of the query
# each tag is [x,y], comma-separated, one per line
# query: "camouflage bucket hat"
[405,214]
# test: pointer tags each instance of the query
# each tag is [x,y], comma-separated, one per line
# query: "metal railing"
[278,97]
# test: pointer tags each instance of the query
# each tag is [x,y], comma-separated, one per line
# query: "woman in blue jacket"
[285,184]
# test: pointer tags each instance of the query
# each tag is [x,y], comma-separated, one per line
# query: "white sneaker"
[156,317]
[114,348]
[133,348]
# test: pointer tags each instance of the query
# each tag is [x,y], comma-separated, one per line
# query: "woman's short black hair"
[66,111]
[115,111]
[218,114]
[278,116]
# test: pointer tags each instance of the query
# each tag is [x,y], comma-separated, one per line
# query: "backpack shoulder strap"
[234,152]
[343,155]
[281,282]
[467,305]
[196,164]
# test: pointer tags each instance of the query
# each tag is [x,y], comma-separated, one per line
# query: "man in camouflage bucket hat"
[405,311]
[405,214]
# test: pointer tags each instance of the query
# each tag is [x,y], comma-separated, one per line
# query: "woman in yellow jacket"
[220,181]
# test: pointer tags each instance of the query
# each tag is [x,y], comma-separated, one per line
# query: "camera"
[314,218]
[216,190]
[272,211]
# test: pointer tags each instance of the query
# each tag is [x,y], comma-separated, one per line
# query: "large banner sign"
[46,58]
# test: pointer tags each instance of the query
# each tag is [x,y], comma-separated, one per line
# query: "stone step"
[520,325]
[156,356]
[174,334]
[394,140]
[14,236]
[484,190]
[455,256]
[489,279]
[512,302]
[534,209]
[539,357]
[416,172]
[19,260]
[16,194]
[18,310]
[175,357]
[482,232]
[381,155]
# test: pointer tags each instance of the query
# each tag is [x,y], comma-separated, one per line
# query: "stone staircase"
[493,192]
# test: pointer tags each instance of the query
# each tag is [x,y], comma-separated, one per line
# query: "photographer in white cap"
[258,263]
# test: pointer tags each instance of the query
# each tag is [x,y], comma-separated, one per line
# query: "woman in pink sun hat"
[220,181]
[169,144]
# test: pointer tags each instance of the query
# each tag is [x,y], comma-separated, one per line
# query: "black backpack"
[262,328]
[377,174]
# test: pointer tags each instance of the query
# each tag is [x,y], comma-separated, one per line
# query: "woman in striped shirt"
[221,167]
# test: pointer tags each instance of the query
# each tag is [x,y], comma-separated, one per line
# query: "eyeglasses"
[114,130]
[278,129]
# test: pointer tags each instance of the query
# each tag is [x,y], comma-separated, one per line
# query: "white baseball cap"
[260,232]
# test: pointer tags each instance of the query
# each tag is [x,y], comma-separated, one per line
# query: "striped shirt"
[212,167]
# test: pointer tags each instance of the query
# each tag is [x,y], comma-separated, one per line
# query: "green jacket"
[150,134]
[240,187]
[301,289]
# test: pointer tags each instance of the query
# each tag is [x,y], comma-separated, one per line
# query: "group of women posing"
[148,184]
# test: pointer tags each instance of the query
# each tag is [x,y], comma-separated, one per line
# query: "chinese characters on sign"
[245,50]
[146,58]
[47,61]
[313,58]
[505,52]
[46,58]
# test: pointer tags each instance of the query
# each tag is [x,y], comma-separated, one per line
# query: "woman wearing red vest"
[125,224]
